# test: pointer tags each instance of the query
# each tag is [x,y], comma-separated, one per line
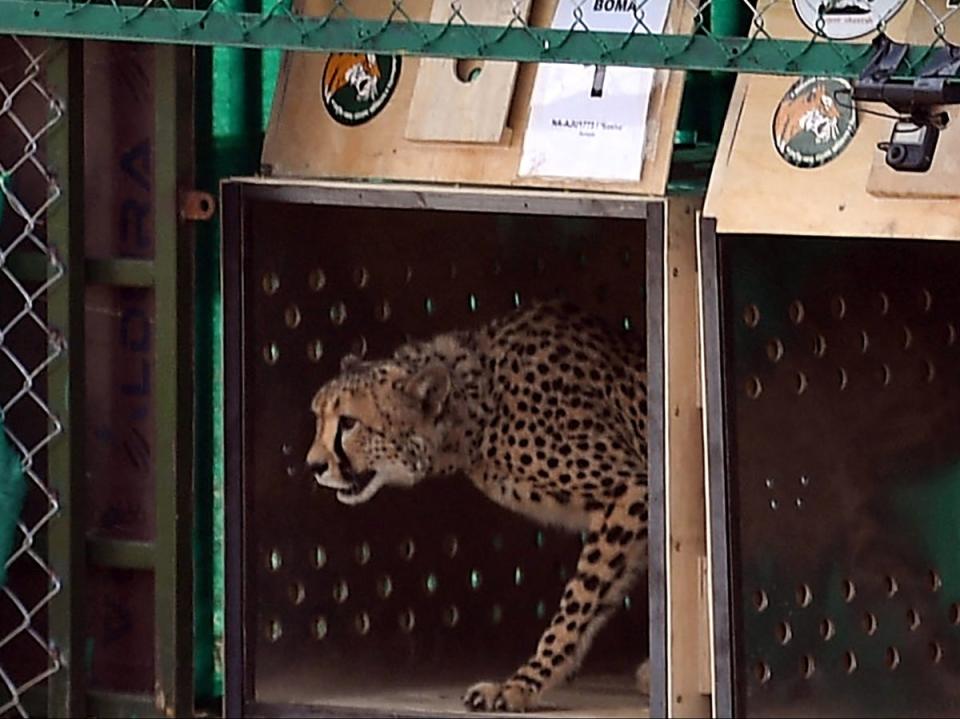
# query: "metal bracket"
[915,134]
[196,205]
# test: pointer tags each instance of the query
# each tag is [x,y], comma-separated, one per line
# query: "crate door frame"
[235,198]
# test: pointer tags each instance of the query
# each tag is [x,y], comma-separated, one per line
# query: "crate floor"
[606,696]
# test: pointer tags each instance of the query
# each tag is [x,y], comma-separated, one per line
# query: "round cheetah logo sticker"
[845,19]
[814,121]
[357,86]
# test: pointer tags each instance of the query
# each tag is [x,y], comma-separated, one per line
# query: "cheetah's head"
[378,423]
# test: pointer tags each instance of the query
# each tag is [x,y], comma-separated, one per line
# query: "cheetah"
[544,410]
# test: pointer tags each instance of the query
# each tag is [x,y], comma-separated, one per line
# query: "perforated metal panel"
[834,385]
[424,586]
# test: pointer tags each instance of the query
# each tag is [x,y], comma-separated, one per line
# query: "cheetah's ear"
[429,388]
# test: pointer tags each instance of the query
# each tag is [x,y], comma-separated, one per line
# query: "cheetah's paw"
[643,678]
[511,696]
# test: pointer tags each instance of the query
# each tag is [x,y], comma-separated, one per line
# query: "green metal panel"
[65,314]
[278,28]
[174,384]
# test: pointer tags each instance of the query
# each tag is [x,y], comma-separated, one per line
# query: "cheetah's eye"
[347,423]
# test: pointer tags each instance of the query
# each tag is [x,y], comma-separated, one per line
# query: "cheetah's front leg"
[612,556]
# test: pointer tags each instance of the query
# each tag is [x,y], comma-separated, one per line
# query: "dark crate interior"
[841,385]
[401,602]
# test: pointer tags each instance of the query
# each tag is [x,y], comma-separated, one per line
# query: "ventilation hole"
[849,661]
[362,553]
[869,623]
[864,341]
[784,633]
[892,658]
[849,590]
[384,586]
[358,347]
[935,651]
[382,311]
[517,576]
[907,338]
[801,382]
[796,311]
[274,560]
[541,610]
[804,595]
[807,666]
[431,583]
[319,558]
[769,482]
[760,600]
[316,280]
[451,616]
[751,315]
[429,306]
[287,449]
[292,471]
[627,324]
[913,619]
[361,277]
[496,614]
[407,620]
[498,542]
[475,579]
[819,345]
[775,350]
[408,275]
[516,299]
[926,300]
[798,502]
[625,257]
[540,539]
[627,602]
[297,592]
[274,630]
[362,623]
[891,585]
[754,388]
[341,591]
[271,353]
[774,504]
[884,375]
[408,549]
[338,313]
[450,546]
[827,629]
[315,350]
[804,480]
[931,373]
[951,334]
[318,627]
[934,580]
[838,307]
[761,670]
[472,302]
[842,375]
[270,283]
[955,613]
[291,316]
[883,303]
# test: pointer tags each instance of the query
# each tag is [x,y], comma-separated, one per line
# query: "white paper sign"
[590,122]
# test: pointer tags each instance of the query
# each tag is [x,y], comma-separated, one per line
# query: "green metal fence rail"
[278,27]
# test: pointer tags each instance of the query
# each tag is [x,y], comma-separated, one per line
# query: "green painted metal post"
[174,383]
[65,382]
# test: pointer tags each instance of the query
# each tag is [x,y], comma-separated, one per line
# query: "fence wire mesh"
[733,35]
[28,347]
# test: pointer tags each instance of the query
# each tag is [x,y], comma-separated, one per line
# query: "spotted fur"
[545,411]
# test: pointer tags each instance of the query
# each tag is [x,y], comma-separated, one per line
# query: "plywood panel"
[304,141]
[474,108]
[752,189]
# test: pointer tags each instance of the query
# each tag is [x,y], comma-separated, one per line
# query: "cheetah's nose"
[318,467]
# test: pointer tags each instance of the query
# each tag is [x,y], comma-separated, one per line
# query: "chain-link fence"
[826,36]
[28,347]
